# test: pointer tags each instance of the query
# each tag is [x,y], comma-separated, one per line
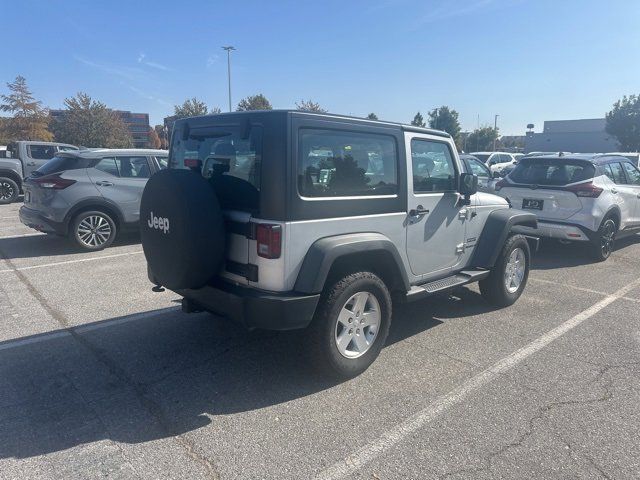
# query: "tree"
[254,102]
[29,120]
[309,106]
[162,134]
[418,120]
[623,122]
[154,139]
[90,123]
[372,116]
[482,139]
[446,119]
[191,107]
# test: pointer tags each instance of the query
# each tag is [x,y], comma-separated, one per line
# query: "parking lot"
[101,377]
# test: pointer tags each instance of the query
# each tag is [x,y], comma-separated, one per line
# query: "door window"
[633,173]
[478,168]
[433,167]
[42,152]
[617,174]
[133,167]
[108,165]
[163,162]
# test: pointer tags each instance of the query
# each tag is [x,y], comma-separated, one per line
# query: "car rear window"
[483,157]
[551,171]
[230,157]
[59,164]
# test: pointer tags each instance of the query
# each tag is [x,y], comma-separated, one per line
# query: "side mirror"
[468,186]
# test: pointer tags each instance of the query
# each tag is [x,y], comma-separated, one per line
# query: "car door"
[624,194]
[436,218]
[121,180]
[37,154]
[633,177]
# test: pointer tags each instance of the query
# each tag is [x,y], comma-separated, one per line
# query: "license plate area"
[532,204]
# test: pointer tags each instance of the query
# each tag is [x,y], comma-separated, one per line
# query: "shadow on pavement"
[164,374]
[51,245]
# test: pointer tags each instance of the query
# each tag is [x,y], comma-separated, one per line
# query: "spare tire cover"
[182,229]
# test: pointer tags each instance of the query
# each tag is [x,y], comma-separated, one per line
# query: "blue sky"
[527,61]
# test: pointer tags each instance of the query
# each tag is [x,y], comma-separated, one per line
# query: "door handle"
[104,183]
[31,164]
[418,211]
[613,190]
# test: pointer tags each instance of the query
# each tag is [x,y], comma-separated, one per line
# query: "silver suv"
[89,195]
[288,220]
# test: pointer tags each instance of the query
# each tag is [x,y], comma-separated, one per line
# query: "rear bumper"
[254,308]
[560,231]
[34,219]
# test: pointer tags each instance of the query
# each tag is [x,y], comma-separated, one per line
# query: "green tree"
[29,120]
[162,135]
[90,123]
[482,139]
[192,107]
[446,119]
[254,102]
[623,122]
[372,116]
[306,106]
[418,120]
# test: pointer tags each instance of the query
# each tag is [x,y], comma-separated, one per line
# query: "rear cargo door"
[547,204]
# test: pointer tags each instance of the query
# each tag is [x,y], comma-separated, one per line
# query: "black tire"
[9,191]
[494,288]
[602,246]
[92,221]
[323,331]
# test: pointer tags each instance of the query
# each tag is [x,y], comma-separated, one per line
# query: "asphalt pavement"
[102,378]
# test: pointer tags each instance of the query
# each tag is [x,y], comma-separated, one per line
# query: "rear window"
[41,152]
[59,164]
[229,157]
[551,171]
[483,157]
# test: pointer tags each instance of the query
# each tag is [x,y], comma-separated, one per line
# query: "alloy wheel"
[357,325]
[515,270]
[607,238]
[6,191]
[94,231]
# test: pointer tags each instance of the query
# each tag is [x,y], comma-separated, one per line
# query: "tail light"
[54,182]
[192,163]
[588,190]
[501,184]
[269,239]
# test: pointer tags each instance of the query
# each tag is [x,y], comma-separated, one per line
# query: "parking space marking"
[395,435]
[8,237]
[67,262]
[566,285]
[43,337]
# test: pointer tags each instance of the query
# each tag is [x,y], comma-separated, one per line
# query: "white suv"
[578,197]
[496,161]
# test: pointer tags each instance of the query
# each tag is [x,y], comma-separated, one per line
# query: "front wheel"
[509,275]
[9,191]
[92,230]
[350,326]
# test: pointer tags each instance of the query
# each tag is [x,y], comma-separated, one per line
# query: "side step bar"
[418,292]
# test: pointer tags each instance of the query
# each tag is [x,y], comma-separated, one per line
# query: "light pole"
[495,128]
[229,48]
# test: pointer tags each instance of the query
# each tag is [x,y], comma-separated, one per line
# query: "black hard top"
[265,114]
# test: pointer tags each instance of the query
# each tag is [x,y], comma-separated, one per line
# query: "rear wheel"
[93,230]
[604,242]
[9,190]
[509,275]
[350,326]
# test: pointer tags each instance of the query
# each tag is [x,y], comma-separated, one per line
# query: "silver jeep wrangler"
[288,220]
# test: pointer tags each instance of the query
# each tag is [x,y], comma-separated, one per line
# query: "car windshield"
[228,157]
[551,171]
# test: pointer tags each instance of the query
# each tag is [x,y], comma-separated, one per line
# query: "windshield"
[229,159]
[551,171]
[483,157]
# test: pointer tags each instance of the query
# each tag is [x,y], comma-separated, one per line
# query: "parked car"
[22,158]
[633,156]
[89,196]
[486,178]
[517,156]
[286,220]
[578,197]
[496,161]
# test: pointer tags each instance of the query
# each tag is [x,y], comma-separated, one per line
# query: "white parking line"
[9,344]
[387,440]
[67,262]
[7,237]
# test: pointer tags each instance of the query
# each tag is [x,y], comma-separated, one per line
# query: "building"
[137,124]
[577,136]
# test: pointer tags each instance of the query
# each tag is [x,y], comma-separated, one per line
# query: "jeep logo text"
[159,223]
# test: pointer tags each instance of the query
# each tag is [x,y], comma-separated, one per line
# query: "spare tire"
[182,229]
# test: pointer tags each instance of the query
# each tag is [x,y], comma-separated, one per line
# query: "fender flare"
[93,202]
[496,230]
[324,252]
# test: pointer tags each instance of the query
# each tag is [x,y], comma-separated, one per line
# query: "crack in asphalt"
[140,390]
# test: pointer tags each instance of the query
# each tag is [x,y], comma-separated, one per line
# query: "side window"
[133,167]
[618,174]
[42,152]
[66,148]
[633,173]
[108,165]
[479,169]
[163,162]
[505,158]
[337,164]
[433,168]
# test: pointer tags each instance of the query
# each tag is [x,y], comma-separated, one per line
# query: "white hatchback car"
[496,161]
[578,197]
